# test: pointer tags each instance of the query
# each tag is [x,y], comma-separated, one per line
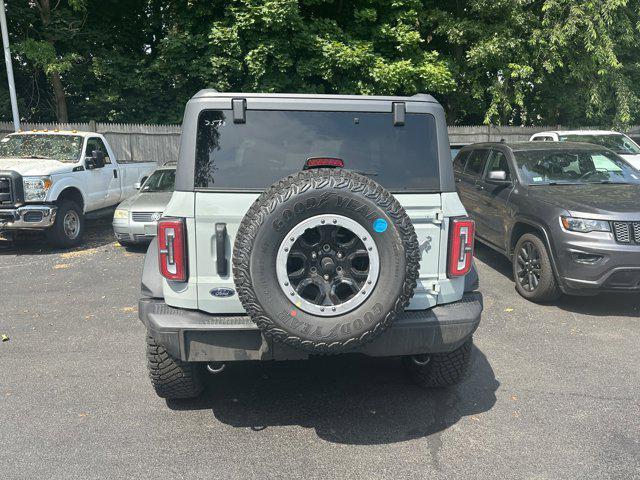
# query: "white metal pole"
[7,61]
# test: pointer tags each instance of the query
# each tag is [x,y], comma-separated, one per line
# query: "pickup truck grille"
[144,216]
[6,194]
[627,232]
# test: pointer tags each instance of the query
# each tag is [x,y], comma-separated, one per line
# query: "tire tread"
[319,179]
[443,369]
[171,377]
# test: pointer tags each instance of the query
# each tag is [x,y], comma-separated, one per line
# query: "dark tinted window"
[274,144]
[459,161]
[498,163]
[476,162]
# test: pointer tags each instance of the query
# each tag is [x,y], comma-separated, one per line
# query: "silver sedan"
[135,220]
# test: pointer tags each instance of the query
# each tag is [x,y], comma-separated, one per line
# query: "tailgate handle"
[222,266]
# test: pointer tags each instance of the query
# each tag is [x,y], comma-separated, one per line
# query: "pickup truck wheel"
[532,270]
[171,377]
[68,227]
[440,369]
[325,260]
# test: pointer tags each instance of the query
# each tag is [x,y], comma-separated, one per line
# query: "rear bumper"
[195,336]
[28,217]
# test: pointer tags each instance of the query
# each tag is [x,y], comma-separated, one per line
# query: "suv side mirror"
[137,185]
[497,176]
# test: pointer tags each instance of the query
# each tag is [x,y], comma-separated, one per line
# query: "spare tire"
[325,260]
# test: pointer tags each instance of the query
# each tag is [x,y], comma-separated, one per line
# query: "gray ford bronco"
[305,225]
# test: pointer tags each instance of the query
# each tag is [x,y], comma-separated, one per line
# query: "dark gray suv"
[566,214]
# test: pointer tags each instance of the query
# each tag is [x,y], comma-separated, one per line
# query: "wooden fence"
[138,142]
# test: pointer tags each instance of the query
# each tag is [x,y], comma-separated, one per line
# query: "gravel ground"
[553,392]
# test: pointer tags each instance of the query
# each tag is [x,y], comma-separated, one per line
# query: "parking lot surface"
[553,392]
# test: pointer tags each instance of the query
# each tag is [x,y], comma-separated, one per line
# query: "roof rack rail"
[170,162]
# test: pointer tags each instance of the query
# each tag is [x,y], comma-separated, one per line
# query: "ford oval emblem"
[222,292]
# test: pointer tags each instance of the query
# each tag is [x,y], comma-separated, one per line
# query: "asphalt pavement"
[553,391]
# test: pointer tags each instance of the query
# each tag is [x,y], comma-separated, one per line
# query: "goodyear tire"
[325,260]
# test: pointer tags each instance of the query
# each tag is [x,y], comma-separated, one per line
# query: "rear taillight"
[461,232]
[172,249]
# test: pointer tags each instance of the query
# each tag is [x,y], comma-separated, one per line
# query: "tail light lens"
[319,162]
[461,233]
[172,249]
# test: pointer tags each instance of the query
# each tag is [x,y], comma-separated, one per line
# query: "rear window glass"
[274,144]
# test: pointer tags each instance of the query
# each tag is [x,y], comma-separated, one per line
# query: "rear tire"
[531,248]
[68,228]
[171,377]
[440,369]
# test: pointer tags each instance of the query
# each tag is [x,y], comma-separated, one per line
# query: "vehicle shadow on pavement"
[98,233]
[349,399]
[493,259]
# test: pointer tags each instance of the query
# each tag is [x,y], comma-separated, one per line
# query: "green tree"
[501,61]
[371,47]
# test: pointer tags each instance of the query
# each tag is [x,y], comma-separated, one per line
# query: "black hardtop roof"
[211,93]
[546,146]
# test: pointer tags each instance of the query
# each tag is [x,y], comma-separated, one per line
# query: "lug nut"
[327,247]
[326,277]
[314,255]
[339,255]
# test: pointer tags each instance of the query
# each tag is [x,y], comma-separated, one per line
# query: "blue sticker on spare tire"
[380,225]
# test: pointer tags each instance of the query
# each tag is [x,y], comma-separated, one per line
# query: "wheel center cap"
[327,265]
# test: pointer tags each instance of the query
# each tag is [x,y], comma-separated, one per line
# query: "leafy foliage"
[500,61]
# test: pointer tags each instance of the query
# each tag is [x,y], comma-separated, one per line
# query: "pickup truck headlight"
[36,188]
[119,213]
[585,225]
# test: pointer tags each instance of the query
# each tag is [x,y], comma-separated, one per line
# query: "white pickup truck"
[53,180]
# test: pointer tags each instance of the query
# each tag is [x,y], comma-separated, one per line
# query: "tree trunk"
[60,98]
